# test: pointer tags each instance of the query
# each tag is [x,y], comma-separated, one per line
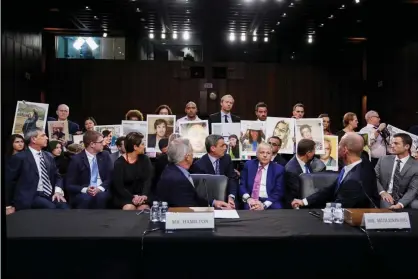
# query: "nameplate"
[192,220]
[386,221]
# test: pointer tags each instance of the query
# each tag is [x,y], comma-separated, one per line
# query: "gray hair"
[227,97]
[212,140]
[370,114]
[173,137]
[32,134]
[263,144]
[178,149]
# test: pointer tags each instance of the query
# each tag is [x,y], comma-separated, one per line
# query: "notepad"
[226,214]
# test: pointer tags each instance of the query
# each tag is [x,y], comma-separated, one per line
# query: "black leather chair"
[210,186]
[311,183]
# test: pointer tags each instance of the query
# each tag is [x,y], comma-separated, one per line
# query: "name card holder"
[386,221]
[190,218]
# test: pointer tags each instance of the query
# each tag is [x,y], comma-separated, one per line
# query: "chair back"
[210,186]
[311,183]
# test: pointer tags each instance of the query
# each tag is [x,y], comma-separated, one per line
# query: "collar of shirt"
[186,118]
[350,167]
[34,152]
[89,155]
[266,167]
[301,163]
[403,160]
[227,114]
[184,171]
[212,159]
[260,120]
[371,126]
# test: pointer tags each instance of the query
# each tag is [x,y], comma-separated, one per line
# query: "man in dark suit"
[63,111]
[356,185]
[176,186]
[89,174]
[262,182]
[219,163]
[397,175]
[224,116]
[120,144]
[32,178]
[304,161]
[276,143]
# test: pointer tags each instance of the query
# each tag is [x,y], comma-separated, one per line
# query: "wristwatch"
[246,199]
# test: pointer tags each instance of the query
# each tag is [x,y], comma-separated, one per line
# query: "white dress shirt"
[302,164]
[377,144]
[185,119]
[90,157]
[263,187]
[347,169]
[403,162]
[40,187]
[228,116]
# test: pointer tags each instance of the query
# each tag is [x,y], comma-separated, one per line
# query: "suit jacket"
[174,188]
[78,174]
[22,178]
[275,182]
[408,183]
[357,190]
[204,166]
[114,156]
[293,170]
[280,160]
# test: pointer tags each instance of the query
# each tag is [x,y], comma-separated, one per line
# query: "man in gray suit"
[120,144]
[397,175]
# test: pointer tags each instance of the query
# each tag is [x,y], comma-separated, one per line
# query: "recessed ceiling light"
[87,8]
[95,17]
[138,10]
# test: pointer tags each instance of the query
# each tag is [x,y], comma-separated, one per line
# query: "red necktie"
[257,182]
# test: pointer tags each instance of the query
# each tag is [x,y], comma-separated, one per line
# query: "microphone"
[368,197]
[206,189]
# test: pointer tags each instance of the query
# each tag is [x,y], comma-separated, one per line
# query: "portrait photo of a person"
[233,147]
[252,138]
[327,158]
[160,128]
[311,129]
[284,130]
[196,133]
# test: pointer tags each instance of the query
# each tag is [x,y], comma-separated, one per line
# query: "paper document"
[226,214]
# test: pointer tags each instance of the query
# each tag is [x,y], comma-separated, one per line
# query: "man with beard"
[356,185]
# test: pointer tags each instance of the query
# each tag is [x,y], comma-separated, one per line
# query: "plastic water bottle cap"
[155,203]
[329,204]
[165,203]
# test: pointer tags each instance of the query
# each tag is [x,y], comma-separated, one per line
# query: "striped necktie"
[396,176]
[217,170]
[46,183]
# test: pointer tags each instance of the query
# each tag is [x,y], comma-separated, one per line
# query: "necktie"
[94,172]
[396,177]
[217,170]
[340,179]
[257,182]
[190,179]
[307,169]
[46,183]
[226,118]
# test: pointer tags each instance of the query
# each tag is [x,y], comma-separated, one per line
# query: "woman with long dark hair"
[15,145]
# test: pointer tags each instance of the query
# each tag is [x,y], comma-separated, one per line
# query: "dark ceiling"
[286,23]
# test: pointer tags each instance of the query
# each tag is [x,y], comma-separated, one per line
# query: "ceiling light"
[310,39]
[87,8]
[291,4]
[284,15]
[92,44]
[321,25]
[151,35]
[186,34]
[138,10]
[78,43]
[162,35]
[331,17]
[232,37]
[255,39]
[342,7]
[266,39]
[104,35]
[243,38]
[357,1]
[95,17]
[175,35]
[278,23]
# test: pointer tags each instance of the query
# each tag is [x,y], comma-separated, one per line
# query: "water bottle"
[328,214]
[338,214]
[163,211]
[154,212]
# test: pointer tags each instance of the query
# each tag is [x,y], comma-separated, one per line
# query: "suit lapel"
[209,165]
[407,166]
[86,161]
[269,180]
[252,172]
[32,162]
[99,162]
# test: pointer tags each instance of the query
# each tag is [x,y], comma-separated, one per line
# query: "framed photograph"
[252,134]
[115,130]
[129,126]
[311,128]
[196,132]
[159,127]
[231,133]
[414,148]
[284,128]
[330,156]
[29,116]
[78,139]
[58,130]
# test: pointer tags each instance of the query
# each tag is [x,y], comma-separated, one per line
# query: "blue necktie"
[94,172]
[340,179]
[217,170]
[307,169]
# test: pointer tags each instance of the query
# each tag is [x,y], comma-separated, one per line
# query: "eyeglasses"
[99,141]
[274,144]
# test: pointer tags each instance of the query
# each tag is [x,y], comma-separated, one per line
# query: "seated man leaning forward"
[262,182]
[176,186]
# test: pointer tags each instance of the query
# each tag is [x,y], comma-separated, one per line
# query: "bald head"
[353,142]
[191,110]
[62,112]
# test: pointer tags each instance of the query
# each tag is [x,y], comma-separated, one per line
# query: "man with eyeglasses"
[377,137]
[276,143]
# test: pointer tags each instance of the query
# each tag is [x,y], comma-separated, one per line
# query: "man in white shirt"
[377,139]
[191,114]
[397,175]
